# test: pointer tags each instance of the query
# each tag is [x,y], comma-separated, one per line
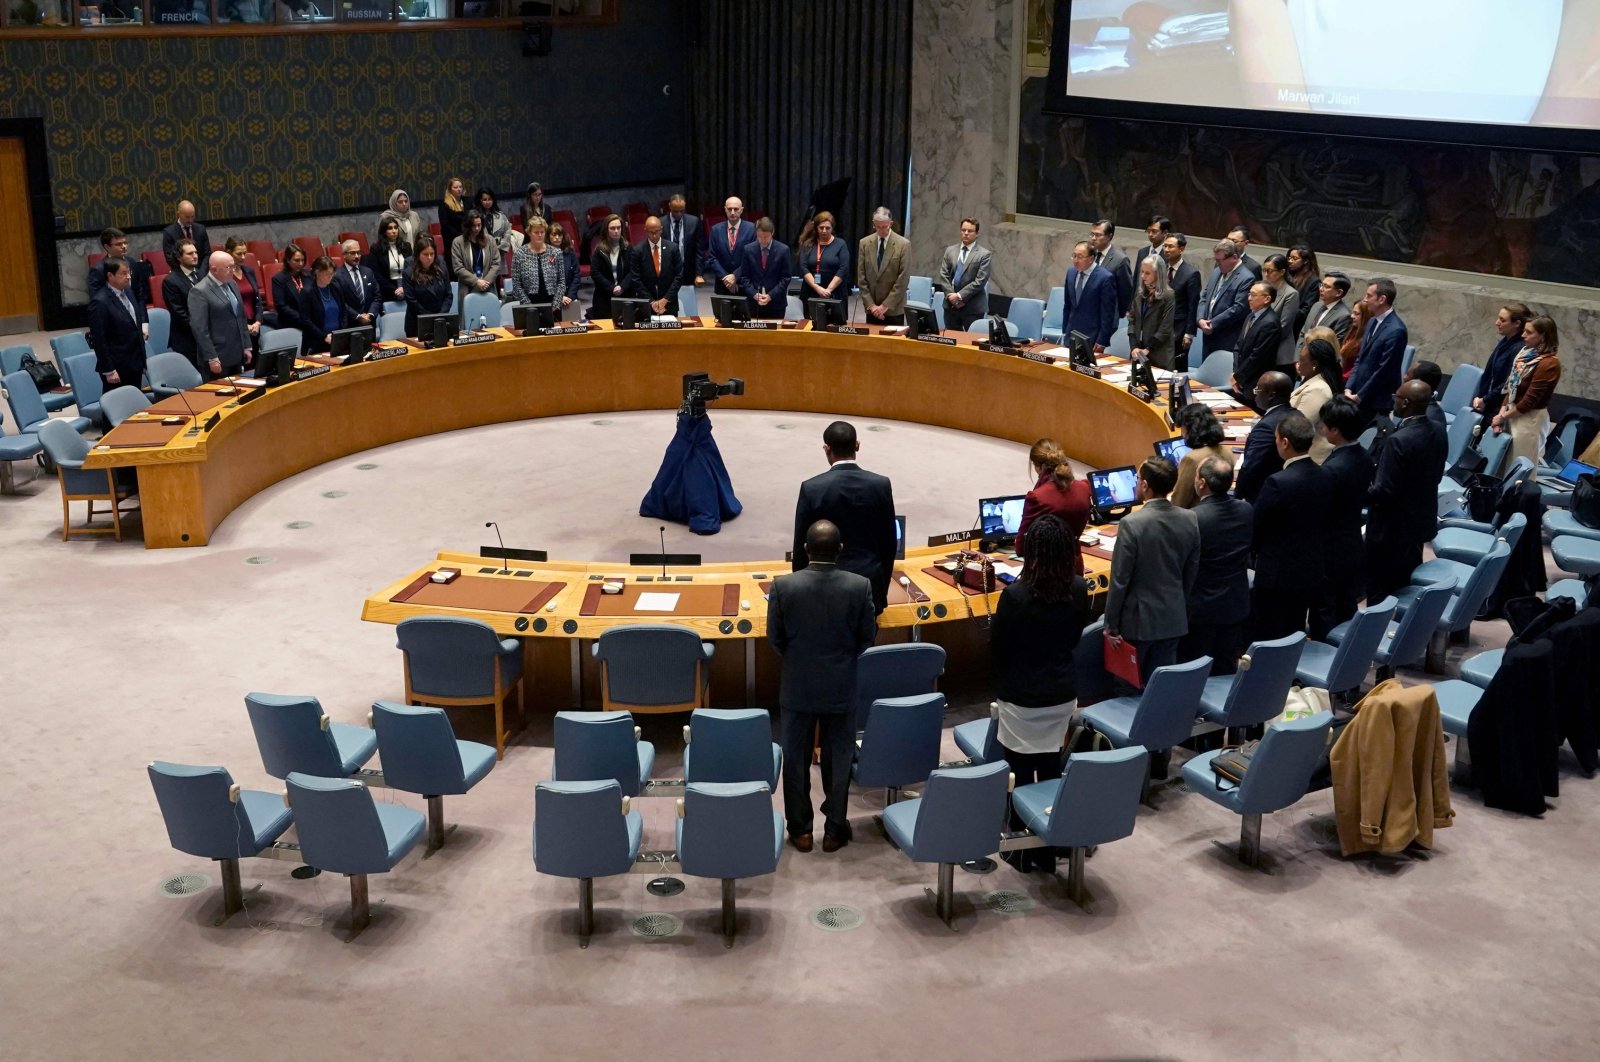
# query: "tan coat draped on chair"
[1391,781]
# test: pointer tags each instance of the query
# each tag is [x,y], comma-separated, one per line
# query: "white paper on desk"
[1004,568]
[1231,432]
[656,603]
[1162,375]
[1116,377]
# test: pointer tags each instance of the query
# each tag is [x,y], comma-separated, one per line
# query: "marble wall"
[965,69]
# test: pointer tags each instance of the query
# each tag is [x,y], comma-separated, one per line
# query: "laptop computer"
[1568,477]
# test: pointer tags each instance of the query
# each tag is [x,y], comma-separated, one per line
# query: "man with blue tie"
[764,271]
[725,248]
[118,327]
[1223,303]
[963,280]
[1376,374]
[356,287]
[216,316]
[1091,306]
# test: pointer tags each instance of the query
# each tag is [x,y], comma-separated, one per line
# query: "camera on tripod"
[699,388]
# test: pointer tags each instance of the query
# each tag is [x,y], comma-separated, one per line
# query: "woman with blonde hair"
[452,211]
[1058,491]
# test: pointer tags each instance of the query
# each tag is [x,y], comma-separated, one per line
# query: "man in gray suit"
[819,619]
[216,317]
[963,278]
[1330,310]
[1153,570]
[1109,257]
[883,269]
[1223,305]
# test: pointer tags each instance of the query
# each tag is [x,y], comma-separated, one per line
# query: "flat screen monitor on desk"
[729,308]
[1000,517]
[350,345]
[436,329]
[921,321]
[630,313]
[1113,488]
[1179,393]
[1172,449]
[825,312]
[899,537]
[1082,349]
[532,316]
[277,366]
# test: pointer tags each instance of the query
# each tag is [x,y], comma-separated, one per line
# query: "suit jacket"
[1391,778]
[527,268]
[311,319]
[219,332]
[1095,314]
[1185,285]
[1286,304]
[1150,328]
[1223,303]
[377,263]
[1349,472]
[973,288]
[1153,570]
[286,298]
[1113,261]
[1138,260]
[1290,526]
[355,300]
[717,261]
[690,252]
[861,505]
[1221,592]
[1255,351]
[1260,458]
[1402,503]
[1336,317]
[647,283]
[606,277]
[461,263]
[175,289]
[429,296]
[772,278]
[1376,375]
[174,232]
[819,620]
[139,290]
[117,339]
[884,284]
[1251,264]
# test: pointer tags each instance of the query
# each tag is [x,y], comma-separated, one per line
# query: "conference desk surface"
[190,482]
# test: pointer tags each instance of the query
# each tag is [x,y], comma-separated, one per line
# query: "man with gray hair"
[1219,603]
[1222,303]
[883,269]
[216,316]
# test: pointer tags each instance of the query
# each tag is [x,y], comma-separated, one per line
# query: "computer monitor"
[532,316]
[436,329]
[921,320]
[899,537]
[730,308]
[350,344]
[825,312]
[1113,488]
[999,334]
[1082,349]
[1144,376]
[1172,449]
[278,366]
[630,313]
[1180,393]
[1000,517]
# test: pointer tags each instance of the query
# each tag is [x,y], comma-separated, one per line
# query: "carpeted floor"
[116,656]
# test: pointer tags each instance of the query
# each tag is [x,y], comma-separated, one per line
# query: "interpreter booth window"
[366,10]
[245,12]
[112,13]
[180,12]
[422,10]
[300,12]
[38,12]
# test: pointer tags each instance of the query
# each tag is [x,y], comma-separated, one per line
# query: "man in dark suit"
[114,243]
[356,288]
[175,288]
[1157,232]
[683,231]
[1259,340]
[216,316]
[819,620]
[1430,373]
[118,327]
[1219,604]
[1261,458]
[1402,504]
[765,267]
[1349,473]
[1376,373]
[725,247]
[1109,257]
[1184,280]
[859,502]
[185,228]
[963,280]
[1091,299]
[1241,240]
[656,269]
[1153,571]
[1289,535]
[1330,311]
[1223,301]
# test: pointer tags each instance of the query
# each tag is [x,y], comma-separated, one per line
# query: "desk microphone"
[663,530]
[182,397]
[504,567]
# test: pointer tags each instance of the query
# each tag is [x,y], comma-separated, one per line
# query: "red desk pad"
[199,402]
[479,592]
[693,600]
[141,433]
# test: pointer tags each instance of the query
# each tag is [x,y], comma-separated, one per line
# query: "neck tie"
[355,280]
[188,233]
[677,235]
[961,267]
[233,300]
[1248,322]
[126,305]
[655,254]
[1077,290]
[763,258]
[733,234]
[1097,256]
[1172,273]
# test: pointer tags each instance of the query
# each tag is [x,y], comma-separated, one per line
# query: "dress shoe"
[830,843]
[802,842]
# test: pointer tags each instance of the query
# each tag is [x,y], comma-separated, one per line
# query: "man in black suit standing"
[764,271]
[656,269]
[1402,504]
[859,502]
[1289,535]
[682,230]
[1348,468]
[356,288]
[1184,280]
[819,620]
[114,242]
[1156,232]
[1376,372]
[1219,604]
[175,287]
[1109,257]
[1241,240]
[185,228]
[1261,457]
[1330,310]
[118,327]
[1259,340]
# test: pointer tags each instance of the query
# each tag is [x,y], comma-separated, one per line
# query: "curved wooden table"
[190,485]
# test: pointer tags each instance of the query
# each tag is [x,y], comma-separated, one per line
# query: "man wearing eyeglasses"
[1330,310]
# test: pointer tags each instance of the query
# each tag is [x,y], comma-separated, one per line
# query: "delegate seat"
[1054,313]
[1457,548]
[979,739]
[1458,435]
[87,386]
[294,734]
[171,373]
[653,667]
[341,829]
[420,754]
[1256,692]
[280,339]
[160,338]
[480,305]
[1465,602]
[1561,523]
[15,448]
[1216,370]
[584,830]
[1343,666]
[11,361]
[601,747]
[957,819]
[731,745]
[1027,315]
[919,290]
[1160,716]
[27,406]
[1405,643]
[67,449]
[895,671]
[1094,802]
[728,830]
[120,403]
[1458,392]
[900,745]
[452,661]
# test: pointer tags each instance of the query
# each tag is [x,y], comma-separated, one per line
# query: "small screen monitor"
[436,329]
[350,344]
[998,517]
[1082,348]
[531,316]
[630,313]
[280,366]
[825,312]
[1172,449]
[1111,488]
[899,537]
[999,334]
[729,309]
[921,320]
[1179,393]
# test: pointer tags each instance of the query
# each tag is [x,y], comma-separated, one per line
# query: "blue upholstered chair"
[87,386]
[11,361]
[1458,435]
[895,671]
[1255,692]
[207,815]
[584,830]
[15,448]
[27,407]
[1054,313]
[281,339]
[65,346]
[341,829]
[979,740]
[452,661]
[1465,602]
[731,745]
[1407,358]
[1216,370]
[392,325]
[688,301]
[653,667]
[120,403]
[294,734]
[1494,448]
[480,304]
[170,373]
[67,449]
[1279,772]
[1459,391]
[420,754]
[1161,716]
[1341,667]
[900,745]
[1562,522]
[1462,543]
[1405,642]
[920,290]
[1028,317]
[1094,802]
[600,747]
[160,340]
[728,830]
[957,819]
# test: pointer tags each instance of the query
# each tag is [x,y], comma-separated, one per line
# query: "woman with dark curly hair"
[1203,435]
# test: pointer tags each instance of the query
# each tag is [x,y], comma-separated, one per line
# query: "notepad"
[656,603]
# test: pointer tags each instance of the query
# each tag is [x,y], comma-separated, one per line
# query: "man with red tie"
[725,248]
[765,267]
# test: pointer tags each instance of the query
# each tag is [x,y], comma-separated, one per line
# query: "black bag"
[44,375]
[1482,497]
[1471,461]
[1586,501]
[1233,761]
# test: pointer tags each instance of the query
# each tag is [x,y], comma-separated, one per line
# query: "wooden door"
[19,295]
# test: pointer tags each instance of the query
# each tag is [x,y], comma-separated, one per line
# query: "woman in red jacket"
[1057,491]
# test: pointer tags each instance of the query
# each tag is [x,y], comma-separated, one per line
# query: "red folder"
[1122,660]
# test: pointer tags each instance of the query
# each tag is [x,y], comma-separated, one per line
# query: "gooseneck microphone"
[663,530]
[193,415]
[504,567]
